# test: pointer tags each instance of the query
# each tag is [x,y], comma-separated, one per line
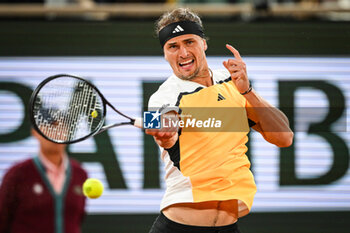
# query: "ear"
[165,56]
[205,44]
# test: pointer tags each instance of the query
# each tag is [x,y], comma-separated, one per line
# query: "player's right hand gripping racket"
[67,109]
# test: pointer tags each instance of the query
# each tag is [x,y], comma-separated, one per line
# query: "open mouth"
[186,64]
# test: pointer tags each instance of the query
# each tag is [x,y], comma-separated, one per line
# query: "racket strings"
[48,116]
[73,111]
[83,104]
[79,98]
[66,109]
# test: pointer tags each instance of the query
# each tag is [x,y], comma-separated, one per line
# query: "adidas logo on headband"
[178,29]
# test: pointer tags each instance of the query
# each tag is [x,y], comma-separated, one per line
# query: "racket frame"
[98,130]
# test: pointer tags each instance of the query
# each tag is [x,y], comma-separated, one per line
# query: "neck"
[205,79]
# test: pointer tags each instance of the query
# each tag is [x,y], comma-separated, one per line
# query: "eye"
[172,46]
[190,42]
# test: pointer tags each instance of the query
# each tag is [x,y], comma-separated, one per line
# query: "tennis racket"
[68,109]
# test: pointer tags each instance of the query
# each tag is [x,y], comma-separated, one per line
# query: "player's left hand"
[238,70]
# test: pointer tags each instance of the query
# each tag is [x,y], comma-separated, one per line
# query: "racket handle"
[138,123]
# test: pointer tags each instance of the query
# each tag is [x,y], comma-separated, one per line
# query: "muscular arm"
[270,122]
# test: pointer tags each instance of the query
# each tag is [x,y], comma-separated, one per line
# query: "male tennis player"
[209,184]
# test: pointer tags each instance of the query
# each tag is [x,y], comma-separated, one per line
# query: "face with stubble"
[186,56]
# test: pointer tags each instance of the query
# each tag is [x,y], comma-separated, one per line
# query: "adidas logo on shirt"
[178,29]
[220,97]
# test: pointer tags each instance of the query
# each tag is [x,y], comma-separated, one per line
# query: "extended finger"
[234,51]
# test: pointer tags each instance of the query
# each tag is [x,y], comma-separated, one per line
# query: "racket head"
[67,109]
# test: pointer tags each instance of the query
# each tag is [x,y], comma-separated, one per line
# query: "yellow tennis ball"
[92,188]
[94,114]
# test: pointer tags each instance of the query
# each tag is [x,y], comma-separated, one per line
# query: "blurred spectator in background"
[43,194]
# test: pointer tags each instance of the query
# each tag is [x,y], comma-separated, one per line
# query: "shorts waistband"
[195,229]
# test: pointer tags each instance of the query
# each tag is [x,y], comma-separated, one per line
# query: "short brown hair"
[179,14]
